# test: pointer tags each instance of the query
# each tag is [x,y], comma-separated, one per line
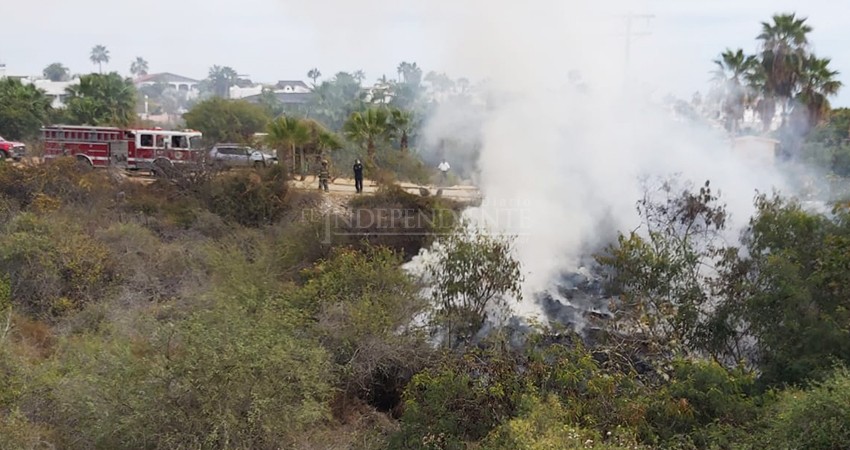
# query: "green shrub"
[53,266]
[544,424]
[817,418]
[397,219]
[460,400]
[363,303]
[249,198]
[226,377]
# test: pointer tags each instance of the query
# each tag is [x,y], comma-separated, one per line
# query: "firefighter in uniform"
[324,175]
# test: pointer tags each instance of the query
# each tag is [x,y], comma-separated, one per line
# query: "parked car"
[11,149]
[237,155]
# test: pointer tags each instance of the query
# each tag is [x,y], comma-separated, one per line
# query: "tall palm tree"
[359,75]
[221,78]
[139,67]
[314,75]
[764,100]
[368,128]
[817,83]
[732,67]
[288,133]
[402,70]
[99,55]
[321,140]
[784,44]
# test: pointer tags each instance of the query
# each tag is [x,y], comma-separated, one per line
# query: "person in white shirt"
[444,170]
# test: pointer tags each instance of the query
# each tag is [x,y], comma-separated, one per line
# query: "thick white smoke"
[560,165]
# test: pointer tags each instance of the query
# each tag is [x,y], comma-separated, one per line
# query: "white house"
[177,82]
[56,90]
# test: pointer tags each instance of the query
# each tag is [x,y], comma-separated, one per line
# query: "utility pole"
[631,34]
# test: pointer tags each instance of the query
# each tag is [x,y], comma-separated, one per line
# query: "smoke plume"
[570,130]
[569,125]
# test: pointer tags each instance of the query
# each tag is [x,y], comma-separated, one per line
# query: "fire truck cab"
[132,148]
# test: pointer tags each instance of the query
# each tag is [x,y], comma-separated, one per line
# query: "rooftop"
[164,77]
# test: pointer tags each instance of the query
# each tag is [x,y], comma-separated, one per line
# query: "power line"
[630,35]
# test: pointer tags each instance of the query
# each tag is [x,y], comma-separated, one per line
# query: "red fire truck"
[131,148]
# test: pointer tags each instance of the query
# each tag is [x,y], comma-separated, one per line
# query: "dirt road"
[346,186]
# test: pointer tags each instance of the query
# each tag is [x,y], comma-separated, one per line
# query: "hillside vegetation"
[166,316]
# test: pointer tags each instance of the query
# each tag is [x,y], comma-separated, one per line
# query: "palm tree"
[401,123]
[320,140]
[56,72]
[314,75]
[359,75]
[784,45]
[99,55]
[402,69]
[818,82]
[288,133]
[139,67]
[221,79]
[732,67]
[102,100]
[367,128]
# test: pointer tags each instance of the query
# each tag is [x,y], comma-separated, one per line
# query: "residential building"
[178,82]
[292,87]
[56,90]
[287,92]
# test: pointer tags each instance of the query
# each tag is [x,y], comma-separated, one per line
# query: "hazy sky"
[283,39]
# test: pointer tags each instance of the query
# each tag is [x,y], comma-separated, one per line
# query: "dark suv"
[237,155]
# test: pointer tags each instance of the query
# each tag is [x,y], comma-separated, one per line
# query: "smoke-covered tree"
[657,273]
[783,76]
[783,297]
[24,109]
[220,79]
[784,45]
[817,83]
[102,100]
[402,126]
[99,55]
[469,277]
[139,67]
[56,72]
[732,68]
[334,100]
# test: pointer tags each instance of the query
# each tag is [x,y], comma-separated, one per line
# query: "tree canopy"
[222,120]
[101,100]
[24,109]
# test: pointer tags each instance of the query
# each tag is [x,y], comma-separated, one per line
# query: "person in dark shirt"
[358,176]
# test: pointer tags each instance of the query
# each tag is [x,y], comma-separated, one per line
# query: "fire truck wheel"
[83,162]
[259,164]
[162,168]
[2,155]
